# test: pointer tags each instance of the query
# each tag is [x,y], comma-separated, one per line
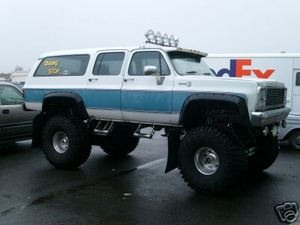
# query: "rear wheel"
[65,142]
[210,161]
[265,155]
[294,140]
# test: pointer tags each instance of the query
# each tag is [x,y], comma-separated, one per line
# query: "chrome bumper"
[260,119]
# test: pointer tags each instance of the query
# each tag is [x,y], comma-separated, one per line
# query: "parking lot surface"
[134,190]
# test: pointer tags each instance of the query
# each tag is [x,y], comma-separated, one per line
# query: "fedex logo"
[240,68]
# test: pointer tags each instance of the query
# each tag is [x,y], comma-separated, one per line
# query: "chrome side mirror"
[150,70]
[153,71]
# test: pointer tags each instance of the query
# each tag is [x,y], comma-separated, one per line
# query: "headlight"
[262,99]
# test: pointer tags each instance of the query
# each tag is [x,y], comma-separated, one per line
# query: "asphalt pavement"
[134,190]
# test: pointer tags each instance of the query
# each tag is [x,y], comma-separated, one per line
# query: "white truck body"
[217,128]
[281,67]
[162,107]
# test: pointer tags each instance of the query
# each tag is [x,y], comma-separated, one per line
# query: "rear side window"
[109,63]
[298,79]
[69,65]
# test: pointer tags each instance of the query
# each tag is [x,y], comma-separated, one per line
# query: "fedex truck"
[281,67]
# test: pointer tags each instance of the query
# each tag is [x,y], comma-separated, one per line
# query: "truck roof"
[254,55]
[95,50]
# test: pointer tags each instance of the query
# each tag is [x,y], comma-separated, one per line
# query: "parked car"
[15,122]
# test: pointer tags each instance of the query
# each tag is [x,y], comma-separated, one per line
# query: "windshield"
[186,63]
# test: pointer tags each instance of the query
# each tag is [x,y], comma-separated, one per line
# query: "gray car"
[15,122]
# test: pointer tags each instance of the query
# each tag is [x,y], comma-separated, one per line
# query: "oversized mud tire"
[119,143]
[65,142]
[265,155]
[209,161]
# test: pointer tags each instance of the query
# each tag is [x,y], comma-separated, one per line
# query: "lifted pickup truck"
[218,129]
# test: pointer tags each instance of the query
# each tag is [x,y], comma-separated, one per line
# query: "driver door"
[144,99]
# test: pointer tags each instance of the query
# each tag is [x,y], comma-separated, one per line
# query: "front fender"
[215,101]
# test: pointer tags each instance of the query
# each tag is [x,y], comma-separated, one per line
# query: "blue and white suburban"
[217,128]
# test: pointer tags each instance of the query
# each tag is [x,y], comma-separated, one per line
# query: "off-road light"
[176,41]
[150,36]
[172,41]
[158,38]
[165,40]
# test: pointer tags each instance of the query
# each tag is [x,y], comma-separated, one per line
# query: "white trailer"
[281,67]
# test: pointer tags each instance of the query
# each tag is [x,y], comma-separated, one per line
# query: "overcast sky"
[31,27]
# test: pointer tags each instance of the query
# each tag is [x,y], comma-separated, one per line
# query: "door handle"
[93,79]
[188,84]
[5,111]
[128,79]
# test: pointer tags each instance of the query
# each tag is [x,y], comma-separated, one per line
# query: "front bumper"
[260,119]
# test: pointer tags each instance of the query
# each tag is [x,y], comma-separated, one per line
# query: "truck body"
[282,67]
[217,128]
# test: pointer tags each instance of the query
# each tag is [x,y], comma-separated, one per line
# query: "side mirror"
[150,70]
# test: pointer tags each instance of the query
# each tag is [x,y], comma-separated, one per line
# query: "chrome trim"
[269,107]
[269,117]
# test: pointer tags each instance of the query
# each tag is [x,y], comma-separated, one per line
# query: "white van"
[18,78]
[281,67]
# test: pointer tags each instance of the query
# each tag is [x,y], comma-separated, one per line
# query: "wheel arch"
[202,102]
[63,101]
[290,133]
[53,104]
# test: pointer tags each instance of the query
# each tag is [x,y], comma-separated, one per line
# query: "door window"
[298,79]
[109,63]
[149,58]
[10,95]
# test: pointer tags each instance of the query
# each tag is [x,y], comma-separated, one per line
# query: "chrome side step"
[103,128]
[138,132]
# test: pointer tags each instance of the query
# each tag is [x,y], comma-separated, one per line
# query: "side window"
[141,59]
[109,63]
[69,65]
[10,96]
[298,79]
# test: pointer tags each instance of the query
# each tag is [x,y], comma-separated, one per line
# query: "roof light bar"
[164,40]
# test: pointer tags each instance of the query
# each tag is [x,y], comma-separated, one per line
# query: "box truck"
[281,67]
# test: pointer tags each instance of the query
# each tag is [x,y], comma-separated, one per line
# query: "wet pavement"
[134,190]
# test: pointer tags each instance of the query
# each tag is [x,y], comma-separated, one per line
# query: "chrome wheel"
[60,142]
[206,161]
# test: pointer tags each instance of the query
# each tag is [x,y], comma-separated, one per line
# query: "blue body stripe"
[148,101]
[103,99]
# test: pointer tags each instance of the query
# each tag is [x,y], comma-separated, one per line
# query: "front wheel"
[210,161]
[265,155]
[65,142]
